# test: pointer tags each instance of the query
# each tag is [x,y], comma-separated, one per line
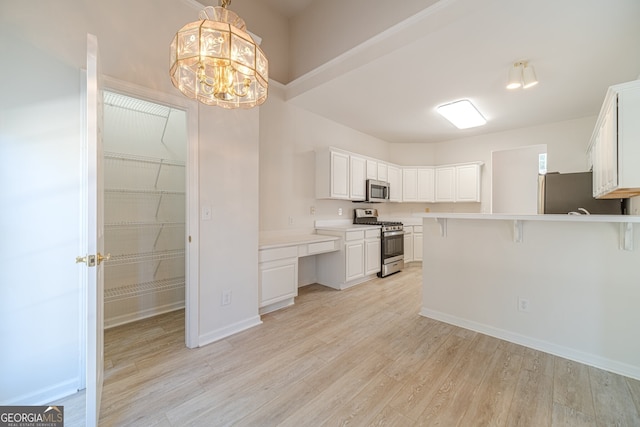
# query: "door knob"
[101,258]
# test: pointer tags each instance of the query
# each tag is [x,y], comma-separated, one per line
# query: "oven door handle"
[392,233]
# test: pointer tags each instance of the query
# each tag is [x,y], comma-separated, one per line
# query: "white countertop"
[547,217]
[348,227]
[276,240]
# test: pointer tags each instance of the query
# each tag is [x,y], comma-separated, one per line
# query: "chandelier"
[215,61]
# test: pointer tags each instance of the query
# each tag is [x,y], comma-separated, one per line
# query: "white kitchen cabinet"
[426,185]
[377,169]
[357,178]
[445,184]
[372,169]
[614,148]
[458,183]
[383,172]
[417,243]
[394,175]
[467,183]
[278,278]
[354,260]
[418,184]
[412,243]
[372,248]
[409,184]
[408,243]
[332,174]
[357,261]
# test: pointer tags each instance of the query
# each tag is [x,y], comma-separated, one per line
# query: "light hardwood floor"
[357,357]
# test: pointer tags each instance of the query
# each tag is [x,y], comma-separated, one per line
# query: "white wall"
[288,138]
[40,147]
[229,242]
[582,290]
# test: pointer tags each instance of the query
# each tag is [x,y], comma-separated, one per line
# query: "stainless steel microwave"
[377,191]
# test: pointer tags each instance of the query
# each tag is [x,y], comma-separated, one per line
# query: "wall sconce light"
[522,75]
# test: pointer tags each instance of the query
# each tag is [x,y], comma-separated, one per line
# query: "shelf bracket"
[159,203]
[517,231]
[155,184]
[155,243]
[626,235]
[443,226]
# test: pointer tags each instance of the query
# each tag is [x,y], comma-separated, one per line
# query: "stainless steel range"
[391,239]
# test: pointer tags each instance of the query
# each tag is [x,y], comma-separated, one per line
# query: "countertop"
[342,225]
[276,240]
[547,217]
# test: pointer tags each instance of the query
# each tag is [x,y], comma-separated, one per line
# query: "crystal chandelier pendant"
[217,62]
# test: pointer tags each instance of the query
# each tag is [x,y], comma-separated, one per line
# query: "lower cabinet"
[278,276]
[372,248]
[356,262]
[417,243]
[412,243]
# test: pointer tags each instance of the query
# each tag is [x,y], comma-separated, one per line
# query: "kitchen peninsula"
[564,284]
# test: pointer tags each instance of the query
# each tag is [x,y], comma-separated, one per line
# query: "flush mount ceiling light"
[215,61]
[521,75]
[463,114]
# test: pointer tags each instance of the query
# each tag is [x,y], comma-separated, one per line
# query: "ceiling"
[390,86]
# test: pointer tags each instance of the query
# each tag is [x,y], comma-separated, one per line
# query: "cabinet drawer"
[278,253]
[417,229]
[315,248]
[354,235]
[372,234]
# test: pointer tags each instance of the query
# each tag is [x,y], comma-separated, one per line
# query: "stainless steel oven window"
[392,244]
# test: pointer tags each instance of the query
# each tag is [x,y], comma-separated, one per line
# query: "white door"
[93,221]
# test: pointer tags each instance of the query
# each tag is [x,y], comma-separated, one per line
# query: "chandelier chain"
[225,3]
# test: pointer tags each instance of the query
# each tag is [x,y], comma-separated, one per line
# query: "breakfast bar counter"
[565,284]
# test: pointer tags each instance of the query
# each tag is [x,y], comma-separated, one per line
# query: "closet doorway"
[146,207]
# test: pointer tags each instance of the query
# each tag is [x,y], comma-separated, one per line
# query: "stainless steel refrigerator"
[563,193]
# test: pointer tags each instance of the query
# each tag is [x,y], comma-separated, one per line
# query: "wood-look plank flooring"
[359,357]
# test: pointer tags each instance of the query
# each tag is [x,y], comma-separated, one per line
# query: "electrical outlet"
[339,211]
[226,297]
[312,210]
[291,220]
[523,305]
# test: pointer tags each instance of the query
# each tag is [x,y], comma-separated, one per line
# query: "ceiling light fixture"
[521,75]
[463,114]
[217,62]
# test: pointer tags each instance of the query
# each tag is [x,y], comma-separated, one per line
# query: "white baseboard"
[143,314]
[232,329]
[537,344]
[46,395]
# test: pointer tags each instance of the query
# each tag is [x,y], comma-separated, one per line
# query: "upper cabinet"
[394,178]
[358,177]
[468,182]
[458,183]
[445,184]
[418,184]
[614,150]
[332,174]
[343,175]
